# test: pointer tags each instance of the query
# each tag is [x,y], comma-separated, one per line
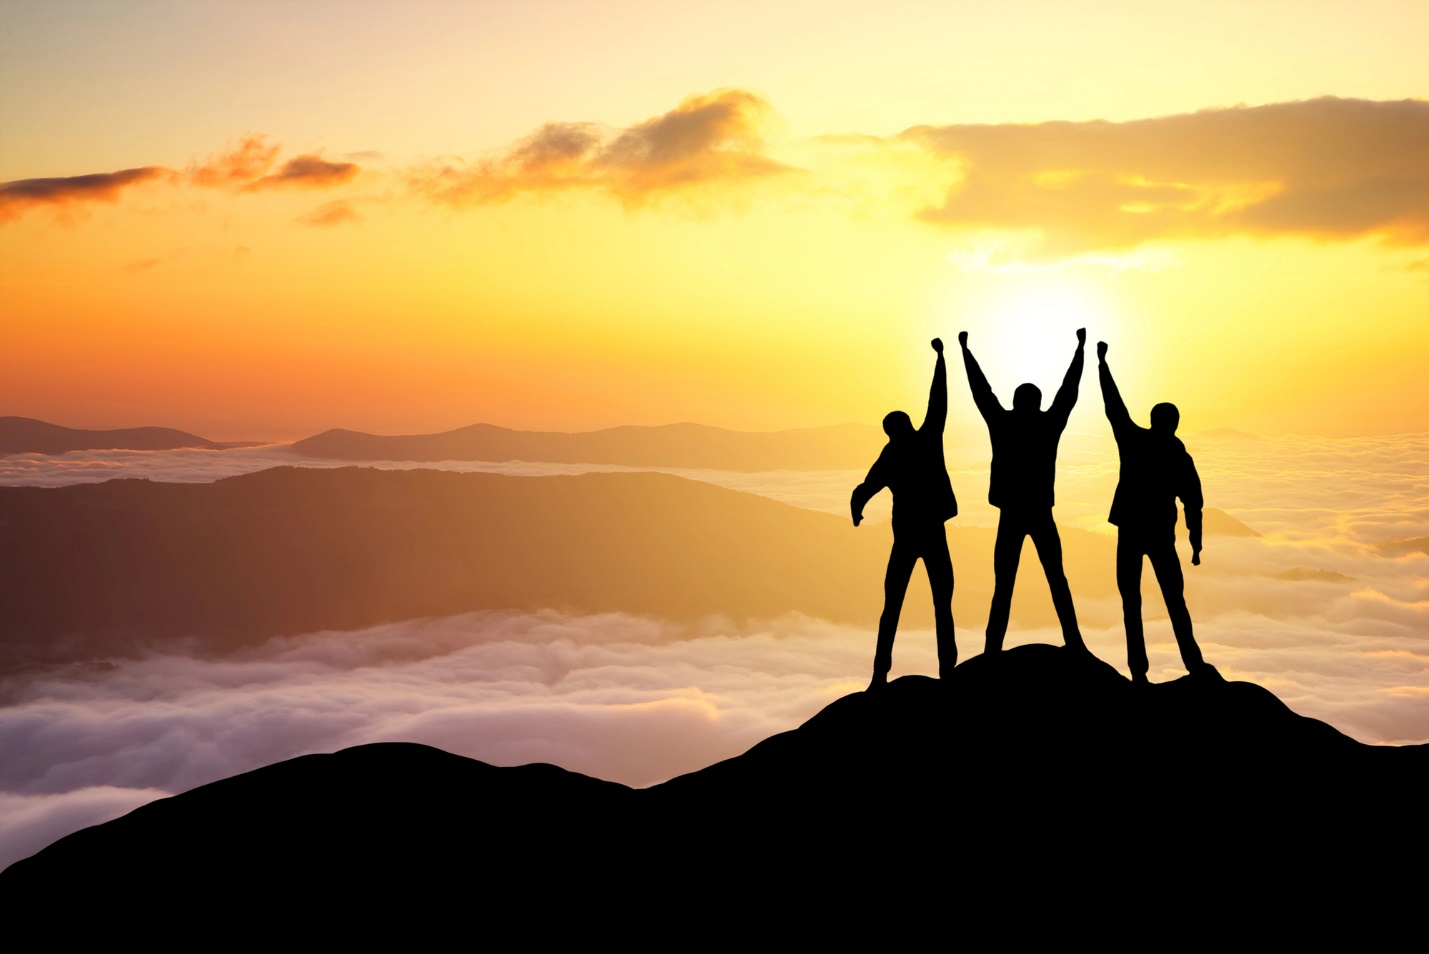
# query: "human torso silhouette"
[1024,438]
[1024,457]
[1155,470]
[913,469]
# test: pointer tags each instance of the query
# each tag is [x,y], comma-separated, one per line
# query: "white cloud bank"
[1313,611]
[1304,488]
[618,697]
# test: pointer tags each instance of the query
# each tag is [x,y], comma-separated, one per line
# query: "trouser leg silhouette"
[1006,554]
[940,580]
[933,549]
[1049,552]
[1128,582]
[1173,590]
[895,587]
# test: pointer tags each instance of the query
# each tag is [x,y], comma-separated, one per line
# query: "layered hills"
[841,447]
[1035,773]
[25,435]
[111,568]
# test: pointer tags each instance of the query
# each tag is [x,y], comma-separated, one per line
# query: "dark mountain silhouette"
[841,447]
[24,435]
[1404,547]
[102,569]
[1219,523]
[1034,777]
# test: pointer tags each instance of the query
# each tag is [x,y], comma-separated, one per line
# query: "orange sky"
[567,216]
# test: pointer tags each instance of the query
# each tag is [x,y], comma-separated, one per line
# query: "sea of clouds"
[1312,609]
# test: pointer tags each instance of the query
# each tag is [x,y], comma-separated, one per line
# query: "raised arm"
[937,415]
[1066,397]
[1115,407]
[872,484]
[1190,493]
[983,397]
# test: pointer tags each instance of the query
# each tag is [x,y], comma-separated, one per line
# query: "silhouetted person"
[1024,466]
[1155,470]
[911,466]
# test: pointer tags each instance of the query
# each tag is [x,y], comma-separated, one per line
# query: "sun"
[1028,332]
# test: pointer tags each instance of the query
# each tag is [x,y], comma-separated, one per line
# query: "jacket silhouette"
[912,467]
[1155,470]
[1024,469]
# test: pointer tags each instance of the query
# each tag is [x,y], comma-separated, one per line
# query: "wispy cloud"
[709,138]
[242,166]
[1326,168]
[307,172]
[1329,168]
[21,195]
[331,213]
[236,164]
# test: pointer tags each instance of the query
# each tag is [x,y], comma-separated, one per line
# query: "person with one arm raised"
[1155,470]
[911,466]
[1024,469]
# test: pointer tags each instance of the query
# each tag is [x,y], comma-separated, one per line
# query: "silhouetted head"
[897,426]
[1027,397]
[1165,418]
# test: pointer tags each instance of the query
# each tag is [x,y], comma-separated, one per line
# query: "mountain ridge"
[687,445]
[26,435]
[292,550]
[973,763]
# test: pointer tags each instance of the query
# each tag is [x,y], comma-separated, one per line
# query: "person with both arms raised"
[1155,470]
[1024,468]
[911,465]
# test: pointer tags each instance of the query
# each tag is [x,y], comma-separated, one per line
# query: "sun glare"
[1028,334]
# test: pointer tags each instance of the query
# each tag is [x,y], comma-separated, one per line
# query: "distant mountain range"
[25,435]
[1403,547]
[100,569]
[1032,774]
[841,447]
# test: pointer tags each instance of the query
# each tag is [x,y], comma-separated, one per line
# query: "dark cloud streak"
[21,195]
[309,171]
[243,166]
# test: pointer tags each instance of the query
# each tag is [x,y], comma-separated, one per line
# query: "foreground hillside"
[841,447]
[113,567]
[1037,772]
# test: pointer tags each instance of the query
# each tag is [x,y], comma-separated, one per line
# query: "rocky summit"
[1037,770]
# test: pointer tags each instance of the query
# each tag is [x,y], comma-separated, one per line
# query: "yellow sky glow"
[734,228]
